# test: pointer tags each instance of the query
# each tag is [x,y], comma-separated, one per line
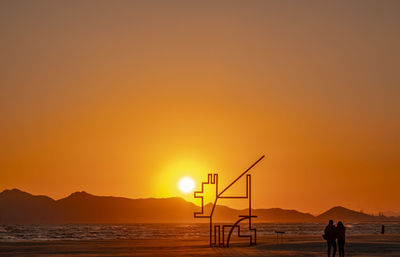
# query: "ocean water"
[143,231]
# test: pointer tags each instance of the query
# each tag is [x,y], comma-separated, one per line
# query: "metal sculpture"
[213,179]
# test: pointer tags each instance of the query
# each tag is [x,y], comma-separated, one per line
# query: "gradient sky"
[125,97]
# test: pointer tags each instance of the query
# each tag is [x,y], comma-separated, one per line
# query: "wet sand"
[356,245]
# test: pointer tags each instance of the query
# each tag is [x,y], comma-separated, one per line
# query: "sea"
[179,231]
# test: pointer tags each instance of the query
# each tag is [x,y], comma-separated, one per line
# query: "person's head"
[340,224]
[331,222]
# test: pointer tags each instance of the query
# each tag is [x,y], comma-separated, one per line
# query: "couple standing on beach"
[331,233]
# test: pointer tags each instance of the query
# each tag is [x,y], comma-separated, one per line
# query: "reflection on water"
[143,231]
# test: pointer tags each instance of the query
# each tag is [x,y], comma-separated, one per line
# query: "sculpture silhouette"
[213,179]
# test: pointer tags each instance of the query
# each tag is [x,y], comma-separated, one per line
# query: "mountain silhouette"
[224,213]
[21,207]
[81,207]
[346,215]
[18,207]
[281,215]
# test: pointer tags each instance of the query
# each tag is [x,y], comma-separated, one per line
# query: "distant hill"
[345,215]
[18,207]
[80,207]
[391,214]
[281,215]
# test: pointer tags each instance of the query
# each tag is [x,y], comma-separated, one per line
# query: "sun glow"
[186,185]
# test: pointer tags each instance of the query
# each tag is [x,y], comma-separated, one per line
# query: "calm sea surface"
[142,231]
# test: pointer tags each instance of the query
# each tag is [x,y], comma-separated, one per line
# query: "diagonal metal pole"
[241,175]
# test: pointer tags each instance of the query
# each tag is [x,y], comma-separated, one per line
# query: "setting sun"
[186,185]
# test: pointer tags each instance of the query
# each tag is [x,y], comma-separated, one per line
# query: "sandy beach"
[357,245]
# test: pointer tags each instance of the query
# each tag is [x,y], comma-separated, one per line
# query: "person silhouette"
[330,237]
[341,235]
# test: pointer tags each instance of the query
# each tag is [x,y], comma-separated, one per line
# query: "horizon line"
[178,197]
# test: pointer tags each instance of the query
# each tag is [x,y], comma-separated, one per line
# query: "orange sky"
[124,98]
